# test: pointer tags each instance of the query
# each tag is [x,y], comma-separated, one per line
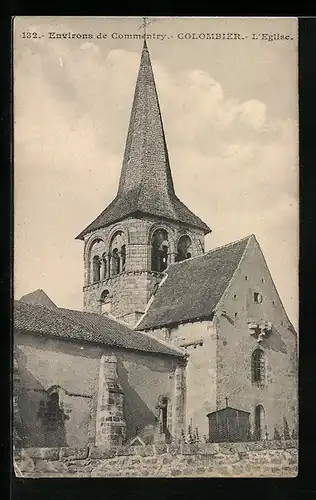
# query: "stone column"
[172,257]
[87,272]
[108,263]
[102,269]
[110,423]
[179,400]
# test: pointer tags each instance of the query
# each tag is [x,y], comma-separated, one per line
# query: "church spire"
[146,164]
[146,184]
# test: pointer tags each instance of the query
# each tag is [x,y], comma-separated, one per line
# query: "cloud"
[232,164]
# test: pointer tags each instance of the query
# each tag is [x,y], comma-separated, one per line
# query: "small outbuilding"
[229,424]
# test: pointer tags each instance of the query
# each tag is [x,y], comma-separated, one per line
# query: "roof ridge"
[143,334]
[106,317]
[32,304]
[54,310]
[235,271]
[92,328]
[37,296]
[232,243]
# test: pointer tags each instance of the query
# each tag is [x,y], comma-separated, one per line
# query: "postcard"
[156,179]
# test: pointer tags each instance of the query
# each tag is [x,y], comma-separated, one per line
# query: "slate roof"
[193,287]
[38,297]
[146,184]
[84,326]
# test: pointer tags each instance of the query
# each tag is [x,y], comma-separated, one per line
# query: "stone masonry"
[131,289]
[110,423]
[257,459]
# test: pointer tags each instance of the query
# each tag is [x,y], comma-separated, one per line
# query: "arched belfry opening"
[184,248]
[159,250]
[117,253]
[95,261]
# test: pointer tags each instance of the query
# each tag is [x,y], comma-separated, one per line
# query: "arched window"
[183,247]
[105,302]
[259,423]
[96,268]
[159,250]
[94,272]
[118,253]
[258,367]
[115,262]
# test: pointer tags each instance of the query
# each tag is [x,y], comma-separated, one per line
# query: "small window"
[246,278]
[262,281]
[257,298]
[273,302]
[235,296]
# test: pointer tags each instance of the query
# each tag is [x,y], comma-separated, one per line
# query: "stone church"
[170,336]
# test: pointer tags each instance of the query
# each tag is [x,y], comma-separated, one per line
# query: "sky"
[230,112]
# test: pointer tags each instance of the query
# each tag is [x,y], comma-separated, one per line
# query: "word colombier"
[53,35]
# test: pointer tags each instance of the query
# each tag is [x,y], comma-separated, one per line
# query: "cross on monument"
[144,25]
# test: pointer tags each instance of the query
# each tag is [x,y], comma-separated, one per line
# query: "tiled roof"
[84,326]
[38,297]
[146,184]
[193,288]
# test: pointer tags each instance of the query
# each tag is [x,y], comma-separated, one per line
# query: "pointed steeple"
[146,184]
[146,163]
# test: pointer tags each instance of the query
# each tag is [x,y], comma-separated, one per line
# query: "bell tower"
[146,227]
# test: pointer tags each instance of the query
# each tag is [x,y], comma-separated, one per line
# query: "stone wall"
[200,371]
[131,290]
[235,346]
[253,459]
[74,367]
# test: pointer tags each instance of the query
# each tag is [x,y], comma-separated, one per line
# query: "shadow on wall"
[41,416]
[30,393]
[274,342]
[136,413]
